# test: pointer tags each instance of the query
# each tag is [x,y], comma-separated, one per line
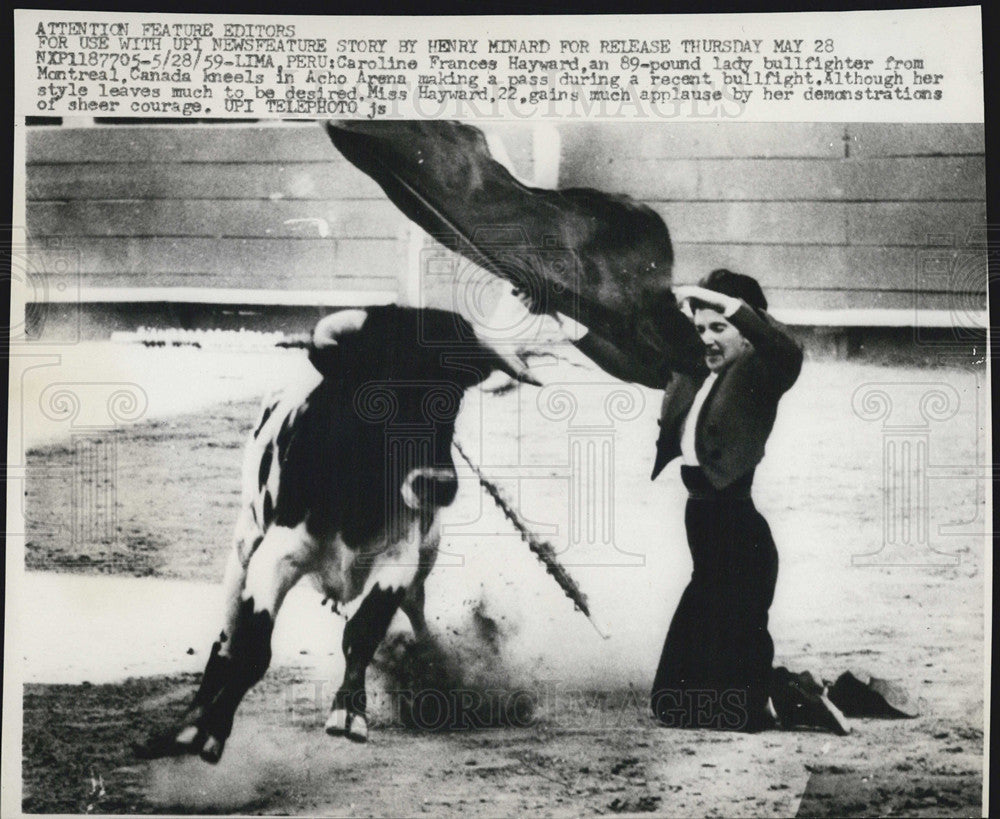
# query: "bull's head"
[401,372]
[400,343]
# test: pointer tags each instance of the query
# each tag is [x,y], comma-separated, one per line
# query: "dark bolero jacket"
[738,414]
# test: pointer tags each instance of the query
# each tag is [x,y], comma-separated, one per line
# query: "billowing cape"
[602,259]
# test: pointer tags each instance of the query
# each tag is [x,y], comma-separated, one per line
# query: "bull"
[343,485]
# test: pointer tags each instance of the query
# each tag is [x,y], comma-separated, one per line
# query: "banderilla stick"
[542,549]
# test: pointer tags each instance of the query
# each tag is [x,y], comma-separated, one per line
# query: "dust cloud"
[258,767]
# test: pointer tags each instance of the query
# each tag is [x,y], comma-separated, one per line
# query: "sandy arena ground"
[117,616]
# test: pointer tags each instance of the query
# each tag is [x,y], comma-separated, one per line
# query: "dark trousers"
[715,669]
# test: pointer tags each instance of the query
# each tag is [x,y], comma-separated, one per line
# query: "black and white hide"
[344,486]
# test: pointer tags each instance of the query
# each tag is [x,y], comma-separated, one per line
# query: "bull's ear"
[334,326]
[328,360]
[429,487]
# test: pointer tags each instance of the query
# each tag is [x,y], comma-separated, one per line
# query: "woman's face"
[723,342]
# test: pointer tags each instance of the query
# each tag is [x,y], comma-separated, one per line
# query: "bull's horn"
[515,368]
[505,359]
[333,326]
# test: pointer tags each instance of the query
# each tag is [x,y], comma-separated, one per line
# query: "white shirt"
[574,331]
[688,455]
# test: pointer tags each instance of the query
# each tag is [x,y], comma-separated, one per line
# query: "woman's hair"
[732,284]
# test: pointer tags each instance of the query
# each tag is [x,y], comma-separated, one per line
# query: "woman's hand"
[727,305]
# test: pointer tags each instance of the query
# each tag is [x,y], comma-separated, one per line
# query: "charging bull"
[343,486]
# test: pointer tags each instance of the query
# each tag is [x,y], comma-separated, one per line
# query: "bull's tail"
[542,549]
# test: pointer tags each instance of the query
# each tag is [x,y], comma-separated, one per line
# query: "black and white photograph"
[494,467]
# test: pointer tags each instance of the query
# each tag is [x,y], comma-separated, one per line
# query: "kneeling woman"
[715,669]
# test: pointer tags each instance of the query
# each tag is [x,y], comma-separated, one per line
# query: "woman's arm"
[768,337]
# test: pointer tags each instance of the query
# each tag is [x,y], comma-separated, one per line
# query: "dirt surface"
[599,755]
[579,741]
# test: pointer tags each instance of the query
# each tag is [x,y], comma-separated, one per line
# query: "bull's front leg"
[362,635]
[413,601]
[397,579]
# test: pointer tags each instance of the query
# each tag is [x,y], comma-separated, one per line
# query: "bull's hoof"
[211,751]
[336,723]
[188,740]
[350,725]
[357,728]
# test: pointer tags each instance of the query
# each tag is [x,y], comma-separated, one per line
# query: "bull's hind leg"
[248,538]
[279,562]
[254,515]
[189,738]
[243,653]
